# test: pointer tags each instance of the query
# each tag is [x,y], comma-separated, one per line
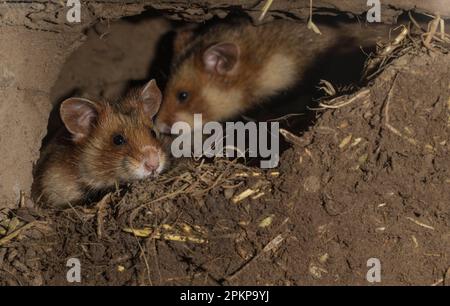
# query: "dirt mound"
[369,180]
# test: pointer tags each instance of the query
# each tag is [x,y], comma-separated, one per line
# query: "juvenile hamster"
[230,68]
[102,144]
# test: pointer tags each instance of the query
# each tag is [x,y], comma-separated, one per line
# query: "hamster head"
[203,81]
[116,141]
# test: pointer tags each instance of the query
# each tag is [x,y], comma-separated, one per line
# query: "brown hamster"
[230,68]
[102,143]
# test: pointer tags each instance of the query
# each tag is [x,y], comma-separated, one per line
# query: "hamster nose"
[151,163]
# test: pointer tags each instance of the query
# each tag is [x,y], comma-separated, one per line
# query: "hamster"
[230,68]
[102,144]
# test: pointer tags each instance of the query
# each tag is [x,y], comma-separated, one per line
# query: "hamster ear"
[78,116]
[151,98]
[221,58]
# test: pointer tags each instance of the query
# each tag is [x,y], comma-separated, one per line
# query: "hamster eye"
[118,140]
[183,96]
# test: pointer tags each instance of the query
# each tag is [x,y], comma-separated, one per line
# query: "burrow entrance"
[119,55]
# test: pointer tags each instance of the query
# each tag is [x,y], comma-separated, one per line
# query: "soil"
[369,179]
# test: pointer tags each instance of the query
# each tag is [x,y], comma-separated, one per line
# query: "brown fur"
[71,167]
[273,57]
[268,63]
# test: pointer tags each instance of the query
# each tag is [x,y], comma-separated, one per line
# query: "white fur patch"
[278,73]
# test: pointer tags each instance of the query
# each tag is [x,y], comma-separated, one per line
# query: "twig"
[432,29]
[363,94]
[17,232]
[386,116]
[275,242]
[420,223]
[265,9]
[291,138]
[311,25]
[101,213]
[415,22]
[147,266]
